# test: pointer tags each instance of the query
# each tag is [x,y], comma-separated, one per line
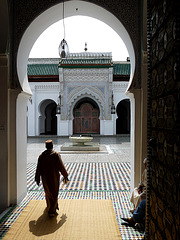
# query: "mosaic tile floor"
[87,181]
[92,176]
[89,176]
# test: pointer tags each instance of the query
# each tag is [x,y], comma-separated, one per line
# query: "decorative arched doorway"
[86,117]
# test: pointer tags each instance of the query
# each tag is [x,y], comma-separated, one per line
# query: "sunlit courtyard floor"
[101,175]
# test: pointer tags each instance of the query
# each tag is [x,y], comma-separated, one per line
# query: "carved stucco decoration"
[119,87]
[80,93]
[47,87]
[88,75]
[90,89]
[78,83]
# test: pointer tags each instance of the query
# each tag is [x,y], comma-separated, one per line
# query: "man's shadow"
[46,225]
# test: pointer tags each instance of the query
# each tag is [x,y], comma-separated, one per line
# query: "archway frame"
[33,32]
[43,21]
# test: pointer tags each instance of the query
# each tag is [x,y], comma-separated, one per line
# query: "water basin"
[80,140]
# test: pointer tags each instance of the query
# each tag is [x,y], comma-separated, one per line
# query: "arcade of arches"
[22,24]
[86,117]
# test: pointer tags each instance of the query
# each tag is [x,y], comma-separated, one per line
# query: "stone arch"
[80,97]
[32,32]
[44,21]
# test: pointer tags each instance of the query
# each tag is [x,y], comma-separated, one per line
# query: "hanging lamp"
[113,109]
[58,107]
[63,46]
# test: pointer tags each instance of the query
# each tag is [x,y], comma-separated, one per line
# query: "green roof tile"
[121,69]
[42,69]
[52,69]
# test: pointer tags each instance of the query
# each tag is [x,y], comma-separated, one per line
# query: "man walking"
[49,167]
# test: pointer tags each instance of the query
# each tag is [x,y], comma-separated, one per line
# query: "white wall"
[106,127]
[64,128]
[21,138]
[119,91]
[41,92]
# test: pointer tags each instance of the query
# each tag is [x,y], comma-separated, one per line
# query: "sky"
[78,31]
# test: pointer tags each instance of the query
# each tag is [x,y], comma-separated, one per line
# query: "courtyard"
[93,175]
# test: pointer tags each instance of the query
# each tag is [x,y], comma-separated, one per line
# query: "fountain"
[81,140]
[80,143]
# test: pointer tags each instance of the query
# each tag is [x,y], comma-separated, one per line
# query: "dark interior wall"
[4,104]
[4,26]
[163,210]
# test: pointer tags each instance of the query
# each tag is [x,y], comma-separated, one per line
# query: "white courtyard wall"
[41,92]
[119,91]
[50,91]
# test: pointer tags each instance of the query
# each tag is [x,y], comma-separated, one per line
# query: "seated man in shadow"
[139,192]
[138,216]
[49,167]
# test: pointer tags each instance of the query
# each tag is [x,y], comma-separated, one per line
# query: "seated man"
[138,215]
[139,192]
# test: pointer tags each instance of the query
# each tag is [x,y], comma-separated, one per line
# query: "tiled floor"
[103,175]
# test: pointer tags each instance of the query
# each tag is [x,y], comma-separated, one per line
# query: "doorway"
[123,120]
[51,119]
[86,118]
[48,118]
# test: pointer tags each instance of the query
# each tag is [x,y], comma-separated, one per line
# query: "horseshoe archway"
[86,119]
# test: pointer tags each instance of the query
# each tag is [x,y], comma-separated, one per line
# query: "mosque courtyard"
[93,175]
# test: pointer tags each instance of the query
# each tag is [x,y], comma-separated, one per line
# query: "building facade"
[81,94]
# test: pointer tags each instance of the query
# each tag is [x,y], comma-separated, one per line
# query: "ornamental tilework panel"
[163,199]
